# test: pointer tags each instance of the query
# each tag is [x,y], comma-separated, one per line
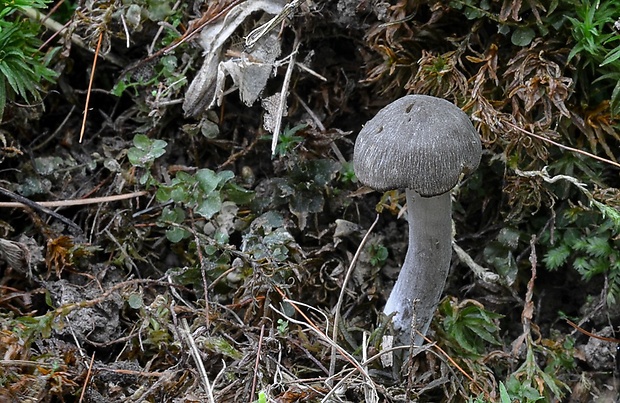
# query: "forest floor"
[158,244]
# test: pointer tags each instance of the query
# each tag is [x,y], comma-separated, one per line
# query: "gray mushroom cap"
[418,142]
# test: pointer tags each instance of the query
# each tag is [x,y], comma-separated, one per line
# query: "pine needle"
[90,85]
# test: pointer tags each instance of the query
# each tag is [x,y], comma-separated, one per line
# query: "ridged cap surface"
[418,142]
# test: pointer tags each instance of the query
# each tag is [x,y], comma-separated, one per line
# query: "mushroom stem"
[420,284]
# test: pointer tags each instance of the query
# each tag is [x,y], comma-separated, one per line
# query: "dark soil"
[100,302]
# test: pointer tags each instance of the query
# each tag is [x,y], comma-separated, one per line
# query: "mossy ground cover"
[188,210]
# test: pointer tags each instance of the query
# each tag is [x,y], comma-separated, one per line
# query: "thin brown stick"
[52,25]
[221,276]
[594,336]
[449,359]
[233,157]
[74,202]
[132,372]
[56,132]
[54,35]
[90,85]
[575,150]
[258,351]
[53,10]
[90,367]
[24,363]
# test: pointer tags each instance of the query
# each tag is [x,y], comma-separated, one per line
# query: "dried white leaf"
[202,92]
[250,72]
[345,228]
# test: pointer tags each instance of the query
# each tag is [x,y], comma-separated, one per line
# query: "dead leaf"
[203,91]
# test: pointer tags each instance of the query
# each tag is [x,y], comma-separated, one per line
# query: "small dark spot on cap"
[408,109]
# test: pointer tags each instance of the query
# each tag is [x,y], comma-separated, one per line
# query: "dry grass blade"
[198,360]
[264,29]
[370,392]
[283,96]
[589,334]
[332,362]
[90,86]
[258,352]
[312,326]
[456,365]
[59,28]
[90,368]
[27,202]
[75,202]
[315,328]
[575,150]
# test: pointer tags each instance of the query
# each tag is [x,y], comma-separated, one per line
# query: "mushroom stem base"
[422,278]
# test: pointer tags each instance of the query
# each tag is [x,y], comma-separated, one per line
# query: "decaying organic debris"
[200,241]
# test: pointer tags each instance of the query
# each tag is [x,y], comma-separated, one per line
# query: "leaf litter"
[210,262]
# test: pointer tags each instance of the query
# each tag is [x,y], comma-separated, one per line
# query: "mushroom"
[423,144]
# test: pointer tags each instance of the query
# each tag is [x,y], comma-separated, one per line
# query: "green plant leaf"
[238,194]
[208,180]
[2,98]
[262,397]
[222,346]
[611,56]
[210,206]
[522,36]
[598,247]
[135,301]
[145,151]
[163,194]
[557,257]
[225,176]
[582,265]
[172,214]
[503,393]
[176,234]
[22,66]
[179,194]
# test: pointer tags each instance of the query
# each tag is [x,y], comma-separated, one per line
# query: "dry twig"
[309,323]
[90,85]
[555,143]
[258,352]
[284,95]
[70,202]
[90,368]
[25,202]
